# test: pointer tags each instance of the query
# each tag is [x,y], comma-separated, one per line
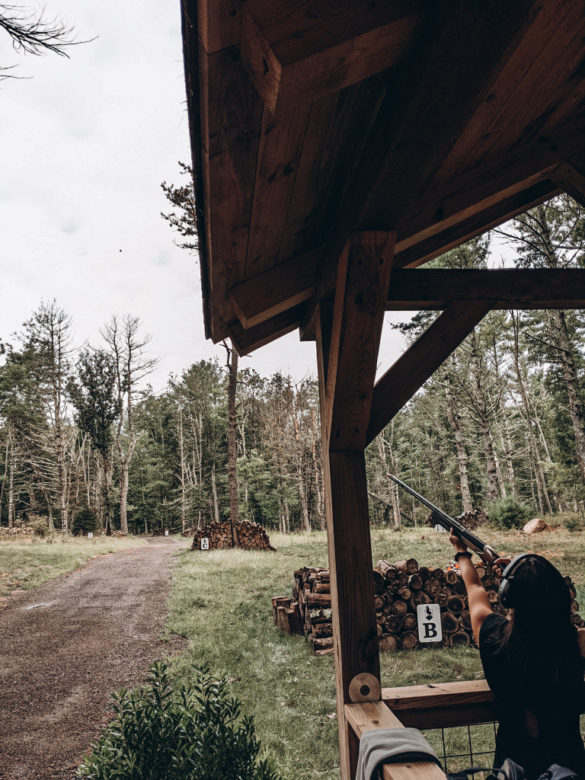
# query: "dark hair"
[542,637]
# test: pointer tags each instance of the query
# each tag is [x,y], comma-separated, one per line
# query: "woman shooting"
[533,662]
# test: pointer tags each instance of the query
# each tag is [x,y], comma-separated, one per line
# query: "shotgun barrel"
[448,522]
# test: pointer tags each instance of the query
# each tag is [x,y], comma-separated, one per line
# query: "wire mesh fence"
[459,747]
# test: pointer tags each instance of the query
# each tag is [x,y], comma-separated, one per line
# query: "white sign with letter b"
[429,623]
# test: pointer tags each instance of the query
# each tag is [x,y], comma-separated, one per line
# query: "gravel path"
[65,646]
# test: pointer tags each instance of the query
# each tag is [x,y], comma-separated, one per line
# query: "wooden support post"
[348,337]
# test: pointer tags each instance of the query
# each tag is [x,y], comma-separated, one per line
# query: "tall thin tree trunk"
[182,478]
[214,494]
[490,462]
[11,507]
[572,384]
[462,457]
[305,522]
[4,479]
[107,492]
[317,473]
[536,466]
[232,450]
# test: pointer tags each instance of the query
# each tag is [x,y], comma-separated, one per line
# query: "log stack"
[246,535]
[21,530]
[399,588]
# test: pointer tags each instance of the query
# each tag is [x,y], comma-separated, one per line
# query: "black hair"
[543,639]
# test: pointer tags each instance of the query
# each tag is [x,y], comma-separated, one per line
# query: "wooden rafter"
[508,288]
[294,55]
[421,360]
[246,341]
[272,292]
[571,180]
[438,243]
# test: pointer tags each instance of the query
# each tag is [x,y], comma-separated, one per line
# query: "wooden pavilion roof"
[316,118]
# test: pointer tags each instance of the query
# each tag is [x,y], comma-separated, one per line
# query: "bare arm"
[479,605]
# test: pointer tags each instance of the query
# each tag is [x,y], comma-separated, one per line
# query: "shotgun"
[442,518]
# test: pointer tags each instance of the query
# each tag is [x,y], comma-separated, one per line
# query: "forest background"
[84,441]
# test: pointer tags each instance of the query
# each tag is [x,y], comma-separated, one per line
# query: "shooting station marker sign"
[205,543]
[429,623]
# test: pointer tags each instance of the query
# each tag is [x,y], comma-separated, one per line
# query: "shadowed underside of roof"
[313,119]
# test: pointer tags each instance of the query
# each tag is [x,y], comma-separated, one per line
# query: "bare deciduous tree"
[127,348]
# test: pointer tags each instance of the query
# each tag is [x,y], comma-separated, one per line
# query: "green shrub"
[571,520]
[192,733]
[39,524]
[85,520]
[509,513]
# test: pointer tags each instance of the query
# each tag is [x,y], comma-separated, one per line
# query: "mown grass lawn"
[27,564]
[221,603]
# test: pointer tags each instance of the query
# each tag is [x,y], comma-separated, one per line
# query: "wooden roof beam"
[291,283]
[571,180]
[421,360]
[508,288]
[428,247]
[276,290]
[294,54]
[246,341]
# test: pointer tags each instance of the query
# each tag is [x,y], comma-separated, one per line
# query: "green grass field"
[221,604]
[27,564]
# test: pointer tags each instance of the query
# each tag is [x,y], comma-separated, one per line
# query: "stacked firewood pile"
[248,536]
[399,588]
[23,530]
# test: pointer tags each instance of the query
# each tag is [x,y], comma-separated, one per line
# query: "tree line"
[502,420]
[80,429]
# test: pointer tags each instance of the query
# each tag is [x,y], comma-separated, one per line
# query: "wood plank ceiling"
[437,119]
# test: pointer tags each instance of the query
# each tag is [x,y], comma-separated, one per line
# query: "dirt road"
[66,646]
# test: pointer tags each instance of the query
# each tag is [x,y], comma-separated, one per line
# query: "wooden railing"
[425,707]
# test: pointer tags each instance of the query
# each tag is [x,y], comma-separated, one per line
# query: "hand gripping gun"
[442,518]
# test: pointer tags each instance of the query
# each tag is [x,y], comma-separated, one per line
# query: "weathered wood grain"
[296,52]
[357,327]
[441,704]
[507,288]
[218,23]
[571,181]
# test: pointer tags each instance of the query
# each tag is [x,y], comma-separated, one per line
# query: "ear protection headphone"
[506,589]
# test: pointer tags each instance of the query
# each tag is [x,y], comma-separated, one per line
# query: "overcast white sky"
[84,146]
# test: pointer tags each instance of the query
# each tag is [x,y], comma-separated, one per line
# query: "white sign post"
[205,543]
[166,531]
[90,534]
[429,623]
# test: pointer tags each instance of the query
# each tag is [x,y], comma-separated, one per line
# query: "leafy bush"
[85,520]
[509,513]
[571,520]
[39,524]
[192,733]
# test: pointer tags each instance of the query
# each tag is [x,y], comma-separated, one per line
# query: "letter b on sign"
[429,623]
